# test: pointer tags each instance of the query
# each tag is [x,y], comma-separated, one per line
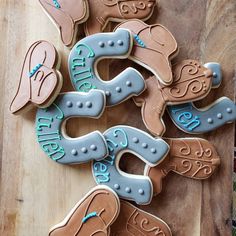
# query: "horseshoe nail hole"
[131,164]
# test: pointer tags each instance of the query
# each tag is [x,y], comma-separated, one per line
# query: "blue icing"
[122,139]
[139,41]
[217,74]
[56,4]
[34,70]
[193,120]
[89,216]
[83,61]
[49,123]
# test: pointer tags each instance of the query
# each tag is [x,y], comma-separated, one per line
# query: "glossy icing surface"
[103,11]
[93,215]
[50,126]
[194,158]
[120,140]
[135,222]
[191,82]
[39,82]
[154,47]
[83,60]
[66,15]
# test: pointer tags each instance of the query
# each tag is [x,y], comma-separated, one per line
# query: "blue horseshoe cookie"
[123,139]
[195,120]
[50,128]
[85,56]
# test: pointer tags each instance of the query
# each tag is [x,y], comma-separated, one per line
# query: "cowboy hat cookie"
[93,215]
[193,120]
[154,47]
[51,128]
[191,82]
[103,11]
[40,81]
[66,15]
[122,139]
[194,158]
[135,222]
[85,56]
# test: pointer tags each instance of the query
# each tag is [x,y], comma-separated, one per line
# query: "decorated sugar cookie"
[40,81]
[135,222]
[194,158]
[122,139]
[191,82]
[103,11]
[85,56]
[154,47]
[66,15]
[51,124]
[193,120]
[93,215]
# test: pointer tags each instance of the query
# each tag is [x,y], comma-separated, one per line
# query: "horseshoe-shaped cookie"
[92,215]
[120,140]
[66,15]
[86,54]
[194,158]
[40,81]
[193,120]
[191,82]
[154,47]
[51,122]
[103,11]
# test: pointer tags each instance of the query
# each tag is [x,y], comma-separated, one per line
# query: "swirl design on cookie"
[51,123]
[191,82]
[40,81]
[133,221]
[193,120]
[85,56]
[120,140]
[104,11]
[194,158]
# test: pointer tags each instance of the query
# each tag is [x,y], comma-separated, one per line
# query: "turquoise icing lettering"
[85,87]
[86,74]
[61,114]
[98,166]
[90,50]
[78,62]
[111,144]
[58,136]
[60,151]
[193,124]
[125,143]
[44,124]
[102,177]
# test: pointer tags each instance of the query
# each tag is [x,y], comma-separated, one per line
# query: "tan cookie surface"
[154,47]
[194,158]
[92,216]
[103,11]
[135,222]
[66,15]
[40,82]
[192,82]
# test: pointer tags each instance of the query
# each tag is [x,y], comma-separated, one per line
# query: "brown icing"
[102,11]
[190,157]
[158,47]
[100,200]
[40,88]
[67,16]
[191,82]
[135,222]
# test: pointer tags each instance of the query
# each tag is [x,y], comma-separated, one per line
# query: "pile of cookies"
[105,210]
